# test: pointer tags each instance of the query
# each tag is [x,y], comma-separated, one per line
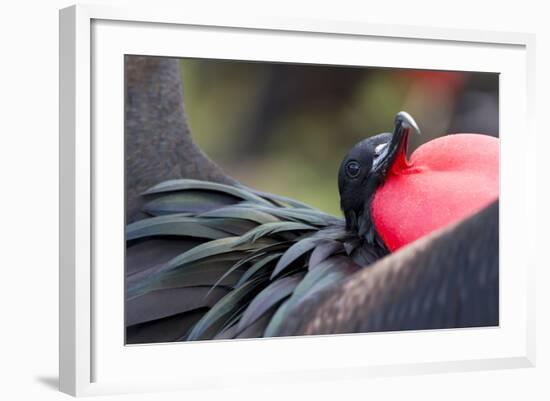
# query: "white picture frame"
[93,40]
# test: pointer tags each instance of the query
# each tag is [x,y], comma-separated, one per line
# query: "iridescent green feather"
[255,244]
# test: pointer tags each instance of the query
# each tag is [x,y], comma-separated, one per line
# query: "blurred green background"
[284,128]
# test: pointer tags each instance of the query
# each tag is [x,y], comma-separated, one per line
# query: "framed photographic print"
[239,194]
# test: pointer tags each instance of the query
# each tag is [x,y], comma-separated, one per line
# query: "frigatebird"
[217,261]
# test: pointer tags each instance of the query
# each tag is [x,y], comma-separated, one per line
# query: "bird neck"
[360,223]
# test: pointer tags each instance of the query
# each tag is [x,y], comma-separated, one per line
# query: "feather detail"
[227,261]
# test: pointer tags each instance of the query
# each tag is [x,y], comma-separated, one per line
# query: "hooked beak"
[394,154]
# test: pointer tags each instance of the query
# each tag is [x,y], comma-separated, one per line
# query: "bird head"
[366,166]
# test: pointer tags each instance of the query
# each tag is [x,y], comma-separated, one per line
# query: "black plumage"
[217,261]
[446,280]
[242,260]
[206,260]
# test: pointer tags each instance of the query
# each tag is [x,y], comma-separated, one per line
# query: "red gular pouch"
[445,180]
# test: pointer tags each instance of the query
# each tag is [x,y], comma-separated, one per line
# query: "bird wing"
[219,261]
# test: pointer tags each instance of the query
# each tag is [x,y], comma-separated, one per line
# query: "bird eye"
[352,169]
